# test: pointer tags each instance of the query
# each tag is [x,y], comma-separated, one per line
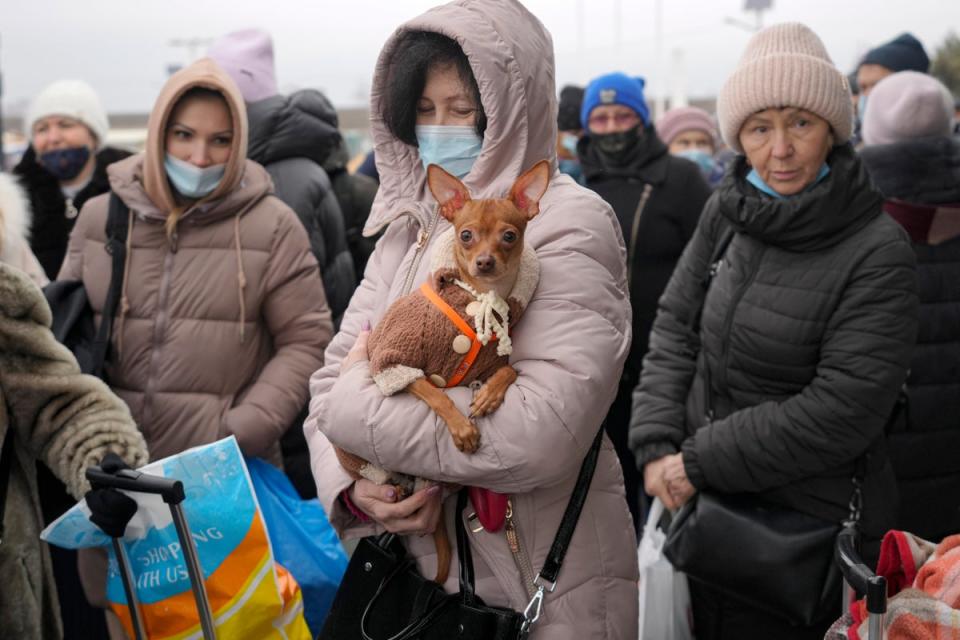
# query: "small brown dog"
[484,275]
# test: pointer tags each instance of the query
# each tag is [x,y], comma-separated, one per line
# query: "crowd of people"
[760,302]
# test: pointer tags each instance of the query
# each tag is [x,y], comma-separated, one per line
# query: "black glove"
[109,509]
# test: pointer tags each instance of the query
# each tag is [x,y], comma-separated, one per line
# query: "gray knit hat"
[907,106]
[785,65]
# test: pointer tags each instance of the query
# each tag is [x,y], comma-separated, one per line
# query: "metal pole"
[129,587]
[193,568]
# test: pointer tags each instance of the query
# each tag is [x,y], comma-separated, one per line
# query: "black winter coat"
[53,214]
[667,222]
[676,193]
[292,136]
[805,339]
[921,181]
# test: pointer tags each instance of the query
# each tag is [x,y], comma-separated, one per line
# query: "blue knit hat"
[615,88]
[903,53]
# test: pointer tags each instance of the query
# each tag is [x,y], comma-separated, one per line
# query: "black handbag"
[383,597]
[73,324]
[769,557]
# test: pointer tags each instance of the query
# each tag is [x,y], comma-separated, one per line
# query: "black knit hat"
[568,112]
[903,53]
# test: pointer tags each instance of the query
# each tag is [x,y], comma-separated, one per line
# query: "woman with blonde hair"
[222,316]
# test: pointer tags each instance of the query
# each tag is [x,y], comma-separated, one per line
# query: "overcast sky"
[122,47]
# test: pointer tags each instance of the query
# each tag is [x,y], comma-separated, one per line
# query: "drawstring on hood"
[241,276]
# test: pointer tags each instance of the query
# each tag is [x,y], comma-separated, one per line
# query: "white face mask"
[192,181]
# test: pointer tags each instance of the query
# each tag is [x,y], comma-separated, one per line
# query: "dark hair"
[414,55]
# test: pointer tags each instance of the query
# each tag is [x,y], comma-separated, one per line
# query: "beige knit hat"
[785,65]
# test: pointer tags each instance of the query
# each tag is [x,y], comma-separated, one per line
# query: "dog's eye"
[466,236]
[509,236]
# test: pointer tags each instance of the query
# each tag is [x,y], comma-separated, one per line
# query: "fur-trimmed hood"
[14,212]
[15,230]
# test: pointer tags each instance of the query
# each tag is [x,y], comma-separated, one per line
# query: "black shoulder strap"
[117,228]
[6,464]
[551,566]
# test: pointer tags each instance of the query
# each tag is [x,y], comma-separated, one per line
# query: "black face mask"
[65,164]
[616,146]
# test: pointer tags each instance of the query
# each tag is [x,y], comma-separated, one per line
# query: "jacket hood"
[511,55]
[923,171]
[207,75]
[301,125]
[832,210]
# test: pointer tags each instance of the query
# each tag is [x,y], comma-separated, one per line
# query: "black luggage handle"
[858,574]
[131,480]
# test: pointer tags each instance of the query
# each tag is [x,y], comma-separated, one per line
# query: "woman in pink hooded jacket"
[569,347]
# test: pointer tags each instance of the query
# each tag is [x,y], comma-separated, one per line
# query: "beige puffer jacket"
[221,326]
[568,348]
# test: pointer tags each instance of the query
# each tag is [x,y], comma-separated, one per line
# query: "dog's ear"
[530,187]
[450,193]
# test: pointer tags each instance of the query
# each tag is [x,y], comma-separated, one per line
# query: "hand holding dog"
[418,514]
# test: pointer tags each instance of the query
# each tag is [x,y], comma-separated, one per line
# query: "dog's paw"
[465,434]
[487,400]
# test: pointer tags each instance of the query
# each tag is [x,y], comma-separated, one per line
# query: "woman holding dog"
[786,330]
[469,86]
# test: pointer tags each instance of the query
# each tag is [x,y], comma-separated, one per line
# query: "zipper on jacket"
[728,320]
[159,327]
[634,230]
[519,553]
[423,238]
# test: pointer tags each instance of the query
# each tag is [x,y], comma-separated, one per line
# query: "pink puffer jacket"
[568,348]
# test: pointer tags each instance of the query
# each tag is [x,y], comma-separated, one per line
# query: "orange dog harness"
[471,356]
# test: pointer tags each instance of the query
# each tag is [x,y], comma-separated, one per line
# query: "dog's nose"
[485,263]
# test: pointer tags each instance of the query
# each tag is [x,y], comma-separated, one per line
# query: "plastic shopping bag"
[251,596]
[665,612]
[302,538]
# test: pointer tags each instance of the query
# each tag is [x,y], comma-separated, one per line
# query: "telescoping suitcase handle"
[858,577]
[173,494]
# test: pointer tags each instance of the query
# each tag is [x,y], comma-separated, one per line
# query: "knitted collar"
[527,278]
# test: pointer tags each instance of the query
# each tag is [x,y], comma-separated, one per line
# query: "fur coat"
[14,226]
[56,415]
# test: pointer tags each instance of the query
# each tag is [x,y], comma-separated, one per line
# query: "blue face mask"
[703,160]
[454,148]
[861,106]
[65,164]
[569,143]
[754,178]
[192,181]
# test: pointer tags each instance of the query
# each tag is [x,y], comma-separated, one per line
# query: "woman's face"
[787,147]
[446,100]
[200,131]
[692,140]
[60,132]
